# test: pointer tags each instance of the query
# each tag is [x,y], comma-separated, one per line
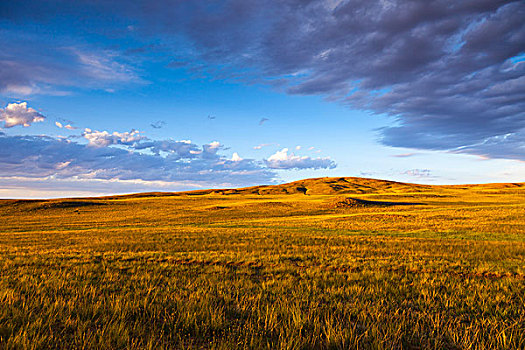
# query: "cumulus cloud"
[283,160]
[19,114]
[104,138]
[236,157]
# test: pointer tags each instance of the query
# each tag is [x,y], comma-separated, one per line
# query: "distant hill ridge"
[332,186]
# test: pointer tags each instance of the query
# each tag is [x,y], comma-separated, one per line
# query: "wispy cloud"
[37,65]
[102,66]
[404,155]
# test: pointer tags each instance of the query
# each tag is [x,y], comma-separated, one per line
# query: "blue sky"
[119,97]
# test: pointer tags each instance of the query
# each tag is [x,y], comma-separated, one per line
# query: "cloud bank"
[42,156]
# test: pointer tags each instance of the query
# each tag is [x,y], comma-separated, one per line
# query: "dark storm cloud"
[447,71]
[442,69]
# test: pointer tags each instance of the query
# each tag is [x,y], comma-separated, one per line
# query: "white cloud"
[282,160]
[19,114]
[67,126]
[104,138]
[236,157]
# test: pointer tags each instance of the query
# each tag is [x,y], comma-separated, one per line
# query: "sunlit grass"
[267,271]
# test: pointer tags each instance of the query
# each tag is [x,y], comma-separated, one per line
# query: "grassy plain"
[297,266]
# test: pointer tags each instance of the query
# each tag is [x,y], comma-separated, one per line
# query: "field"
[331,263]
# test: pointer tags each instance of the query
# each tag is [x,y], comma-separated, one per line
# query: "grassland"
[318,264]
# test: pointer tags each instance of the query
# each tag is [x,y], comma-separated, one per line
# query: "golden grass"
[282,270]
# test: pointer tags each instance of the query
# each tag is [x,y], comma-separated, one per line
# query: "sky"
[104,97]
